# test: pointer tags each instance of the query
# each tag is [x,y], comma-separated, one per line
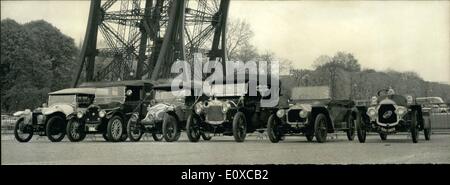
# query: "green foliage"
[36,58]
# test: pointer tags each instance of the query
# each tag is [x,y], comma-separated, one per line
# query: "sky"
[398,35]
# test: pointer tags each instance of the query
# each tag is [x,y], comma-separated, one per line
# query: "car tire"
[105,137]
[361,131]
[320,127]
[383,136]
[115,129]
[170,129]
[273,131]
[350,128]
[19,135]
[134,130]
[427,133]
[206,136]
[75,131]
[157,136]
[413,127]
[309,137]
[239,127]
[192,128]
[56,124]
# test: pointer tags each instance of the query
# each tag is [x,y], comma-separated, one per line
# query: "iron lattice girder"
[135,32]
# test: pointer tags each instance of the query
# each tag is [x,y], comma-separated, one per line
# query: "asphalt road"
[223,150]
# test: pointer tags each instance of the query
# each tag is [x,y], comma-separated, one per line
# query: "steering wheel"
[382,90]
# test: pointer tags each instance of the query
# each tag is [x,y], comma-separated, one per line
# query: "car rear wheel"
[170,128]
[22,131]
[75,131]
[360,129]
[239,127]
[273,130]
[134,129]
[192,128]
[413,129]
[115,130]
[351,128]
[56,129]
[320,128]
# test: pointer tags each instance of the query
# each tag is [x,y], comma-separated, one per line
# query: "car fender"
[63,108]
[315,110]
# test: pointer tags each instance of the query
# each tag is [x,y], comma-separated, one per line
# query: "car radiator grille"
[293,116]
[383,111]
[92,114]
[214,113]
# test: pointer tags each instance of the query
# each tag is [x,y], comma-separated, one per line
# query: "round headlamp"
[280,113]
[198,108]
[102,113]
[80,114]
[303,114]
[371,112]
[401,111]
[225,107]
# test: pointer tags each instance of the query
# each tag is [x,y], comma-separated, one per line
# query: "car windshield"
[62,99]
[239,89]
[162,96]
[310,93]
[109,94]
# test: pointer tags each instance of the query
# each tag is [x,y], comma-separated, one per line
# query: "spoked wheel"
[206,136]
[273,129]
[360,129]
[383,136]
[414,130]
[170,128]
[75,131]
[56,129]
[320,128]
[239,127]
[351,128]
[22,132]
[192,128]
[134,129]
[115,130]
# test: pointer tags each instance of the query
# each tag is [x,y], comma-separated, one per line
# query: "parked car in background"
[51,120]
[432,104]
[313,113]
[113,105]
[166,115]
[390,113]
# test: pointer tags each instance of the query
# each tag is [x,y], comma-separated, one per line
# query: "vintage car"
[432,104]
[313,113]
[113,105]
[51,120]
[166,114]
[227,108]
[389,113]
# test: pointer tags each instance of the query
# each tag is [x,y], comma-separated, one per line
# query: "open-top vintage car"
[228,109]
[113,105]
[389,113]
[312,112]
[51,120]
[166,114]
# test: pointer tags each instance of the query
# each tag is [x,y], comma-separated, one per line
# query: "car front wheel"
[273,129]
[115,129]
[22,132]
[360,129]
[75,131]
[350,128]
[56,129]
[413,129]
[134,129]
[170,128]
[192,128]
[320,128]
[206,136]
[239,127]
[383,136]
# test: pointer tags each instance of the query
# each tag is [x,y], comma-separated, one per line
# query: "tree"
[238,39]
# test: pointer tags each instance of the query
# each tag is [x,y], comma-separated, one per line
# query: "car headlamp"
[400,111]
[303,113]
[198,108]
[80,115]
[102,113]
[409,99]
[371,112]
[225,107]
[373,101]
[280,113]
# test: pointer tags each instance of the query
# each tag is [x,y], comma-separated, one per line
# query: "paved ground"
[223,150]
